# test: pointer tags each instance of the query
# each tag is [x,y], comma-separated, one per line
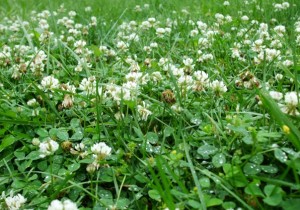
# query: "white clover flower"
[201,25]
[194,32]
[291,98]
[186,81]
[160,32]
[37,65]
[48,147]
[219,16]
[177,108]
[285,5]
[32,102]
[138,8]
[226,3]
[92,167]
[88,9]
[245,18]
[93,21]
[204,43]
[101,150]
[56,205]
[44,24]
[276,95]
[185,11]
[68,87]
[49,83]
[145,25]
[69,205]
[14,202]
[131,85]
[153,45]
[257,45]
[35,141]
[179,72]
[228,18]
[218,86]
[188,62]
[119,116]
[143,111]
[79,45]
[134,66]
[268,54]
[122,45]
[280,30]
[276,43]
[201,79]
[147,49]
[168,30]
[205,57]
[133,37]
[278,7]
[72,13]
[88,86]
[163,61]
[65,205]
[287,63]
[121,93]
[278,77]
[156,77]
[79,149]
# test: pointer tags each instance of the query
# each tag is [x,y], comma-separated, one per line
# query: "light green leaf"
[7,141]
[62,134]
[214,202]
[251,169]
[73,167]
[75,122]
[204,182]
[154,194]
[257,159]
[194,204]
[219,160]
[207,150]
[253,189]
[42,132]
[269,169]
[152,137]
[280,155]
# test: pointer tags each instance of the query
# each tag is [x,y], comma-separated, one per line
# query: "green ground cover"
[149,104]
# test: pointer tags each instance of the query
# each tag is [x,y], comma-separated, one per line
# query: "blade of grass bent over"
[281,119]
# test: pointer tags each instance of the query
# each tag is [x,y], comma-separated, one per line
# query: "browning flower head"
[168,96]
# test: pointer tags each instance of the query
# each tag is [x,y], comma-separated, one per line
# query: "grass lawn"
[183,104]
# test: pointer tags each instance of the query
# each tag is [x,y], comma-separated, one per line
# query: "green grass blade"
[275,112]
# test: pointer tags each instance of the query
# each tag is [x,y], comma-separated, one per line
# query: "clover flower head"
[48,147]
[101,150]
[65,205]
[143,111]
[14,202]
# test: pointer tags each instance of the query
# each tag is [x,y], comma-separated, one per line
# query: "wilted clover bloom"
[143,111]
